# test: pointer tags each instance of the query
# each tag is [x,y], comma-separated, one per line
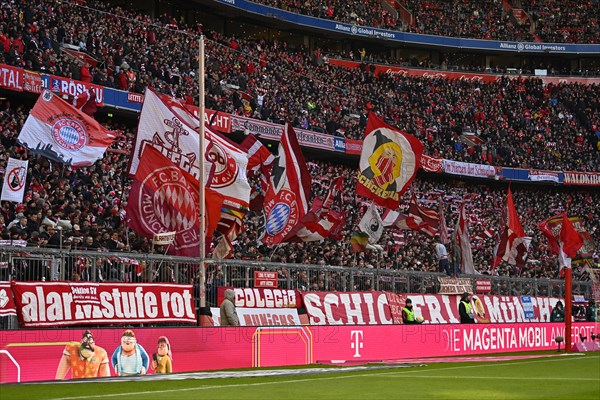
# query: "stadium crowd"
[90,203]
[553,21]
[564,21]
[521,122]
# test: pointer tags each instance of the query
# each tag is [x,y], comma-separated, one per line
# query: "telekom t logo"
[357,344]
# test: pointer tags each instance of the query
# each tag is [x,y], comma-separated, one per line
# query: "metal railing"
[40,264]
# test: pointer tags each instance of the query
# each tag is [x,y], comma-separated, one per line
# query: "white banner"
[468,169]
[261,316]
[15,177]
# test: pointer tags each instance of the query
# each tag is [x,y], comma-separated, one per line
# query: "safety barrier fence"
[41,264]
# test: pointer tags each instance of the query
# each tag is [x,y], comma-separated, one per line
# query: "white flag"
[371,224]
[15,176]
[172,131]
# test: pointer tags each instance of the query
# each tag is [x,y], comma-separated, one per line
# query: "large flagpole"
[201,179]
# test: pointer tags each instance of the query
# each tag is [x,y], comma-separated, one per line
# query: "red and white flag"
[288,194]
[260,162]
[388,164]
[463,243]
[60,132]
[173,132]
[86,102]
[570,242]
[322,221]
[419,218]
[513,244]
[165,198]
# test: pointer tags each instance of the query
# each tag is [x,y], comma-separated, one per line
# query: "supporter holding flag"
[60,132]
[388,163]
[288,194]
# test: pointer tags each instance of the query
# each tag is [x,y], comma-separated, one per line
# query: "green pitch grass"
[574,377]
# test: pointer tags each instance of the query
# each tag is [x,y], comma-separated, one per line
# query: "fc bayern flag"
[388,164]
[288,194]
[165,198]
[58,131]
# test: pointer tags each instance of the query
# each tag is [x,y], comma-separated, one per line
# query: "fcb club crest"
[169,203]
[225,170]
[69,134]
[282,214]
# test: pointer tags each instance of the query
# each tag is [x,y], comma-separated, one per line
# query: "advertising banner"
[467,76]
[265,279]
[11,78]
[71,87]
[353,147]
[32,82]
[53,304]
[373,308]
[549,176]
[271,131]
[7,304]
[39,355]
[261,316]
[468,169]
[263,297]
[582,178]
[431,164]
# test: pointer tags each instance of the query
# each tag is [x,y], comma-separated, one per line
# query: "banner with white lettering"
[15,176]
[261,316]
[262,297]
[374,308]
[52,304]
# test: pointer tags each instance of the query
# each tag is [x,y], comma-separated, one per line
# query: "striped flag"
[288,194]
[513,244]
[463,243]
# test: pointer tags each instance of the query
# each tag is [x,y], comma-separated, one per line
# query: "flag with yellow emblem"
[389,162]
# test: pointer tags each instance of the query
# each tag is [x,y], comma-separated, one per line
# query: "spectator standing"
[229,316]
[442,255]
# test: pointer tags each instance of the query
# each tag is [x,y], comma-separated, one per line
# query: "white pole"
[201,179]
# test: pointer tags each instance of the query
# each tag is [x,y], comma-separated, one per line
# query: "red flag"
[570,239]
[260,161]
[545,227]
[426,218]
[164,198]
[288,194]
[86,102]
[258,154]
[59,132]
[388,164]
[513,243]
